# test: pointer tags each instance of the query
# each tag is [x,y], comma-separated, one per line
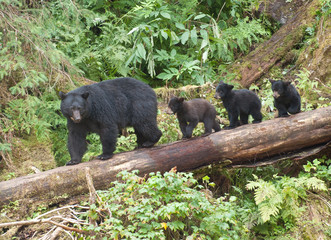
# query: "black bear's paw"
[104,156]
[206,134]
[186,137]
[229,127]
[284,115]
[147,144]
[72,162]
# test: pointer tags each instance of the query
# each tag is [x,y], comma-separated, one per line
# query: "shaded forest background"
[177,47]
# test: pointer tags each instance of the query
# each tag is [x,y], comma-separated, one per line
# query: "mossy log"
[277,48]
[247,144]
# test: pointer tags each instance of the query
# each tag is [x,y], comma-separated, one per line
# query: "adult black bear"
[106,107]
[287,99]
[193,112]
[239,103]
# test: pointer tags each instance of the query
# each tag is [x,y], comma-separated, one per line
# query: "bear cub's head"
[278,87]
[74,106]
[222,90]
[175,105]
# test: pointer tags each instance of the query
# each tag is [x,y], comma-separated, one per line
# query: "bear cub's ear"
[230,86]
[287,83]
[181,100]
[272,81]
[85,95]
[62,95]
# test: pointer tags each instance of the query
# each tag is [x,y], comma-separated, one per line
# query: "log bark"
[278,49]
[247,144]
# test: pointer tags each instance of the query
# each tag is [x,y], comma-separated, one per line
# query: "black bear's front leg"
[183,125]
[190,127]
[282,110]
[108,137]
[233,118]
[76,144]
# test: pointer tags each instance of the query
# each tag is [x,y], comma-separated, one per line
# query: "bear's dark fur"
[239,103]
[287,98]
[106,107]
[190,113]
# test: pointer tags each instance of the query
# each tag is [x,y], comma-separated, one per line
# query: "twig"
[40,221]
[219,13]
[61,208]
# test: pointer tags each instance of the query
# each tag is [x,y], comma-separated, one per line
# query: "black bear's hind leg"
[140,138]
[257,116]
[208,126]
[147,134]
[216,126]
[294,108]
[243,118]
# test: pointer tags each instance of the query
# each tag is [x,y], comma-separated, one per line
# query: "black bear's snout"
[76,117]
[217,95]
[275,94]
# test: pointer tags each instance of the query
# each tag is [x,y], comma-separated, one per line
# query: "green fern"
[283,196]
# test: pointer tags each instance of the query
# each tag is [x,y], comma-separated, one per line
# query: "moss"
[28,154]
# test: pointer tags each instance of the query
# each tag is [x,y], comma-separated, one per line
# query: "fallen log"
[247,144]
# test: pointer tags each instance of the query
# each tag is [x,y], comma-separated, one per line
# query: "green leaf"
[164,34]
[185,37]
[180,26]
[165,15]
[141,51]
[199,16]
[194,36]
[204,43]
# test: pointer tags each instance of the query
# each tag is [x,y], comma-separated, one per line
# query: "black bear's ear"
[287,83]
[230,86]
[272,81]
[180,99]
[62,95]
[85,95]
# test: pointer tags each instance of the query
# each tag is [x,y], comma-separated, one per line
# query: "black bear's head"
[175,105]
[278,87]
[74,105]
[222,90]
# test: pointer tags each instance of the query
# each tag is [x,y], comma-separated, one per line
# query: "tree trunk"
[278,48]
[248,144]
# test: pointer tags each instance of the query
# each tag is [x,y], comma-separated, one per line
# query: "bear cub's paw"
[104,156]
[72,162]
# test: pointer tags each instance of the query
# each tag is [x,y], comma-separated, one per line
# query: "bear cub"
[190,113]
[239,103]
[105,108]
[286,98]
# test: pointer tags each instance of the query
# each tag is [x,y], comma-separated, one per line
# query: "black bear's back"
[120,100]
[200,108]
[247,100]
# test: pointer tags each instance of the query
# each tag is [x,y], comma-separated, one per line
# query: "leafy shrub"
[319,168]
[163,207]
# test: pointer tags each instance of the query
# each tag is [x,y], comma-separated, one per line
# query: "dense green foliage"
[48,46]
[175,206]
[164,207]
